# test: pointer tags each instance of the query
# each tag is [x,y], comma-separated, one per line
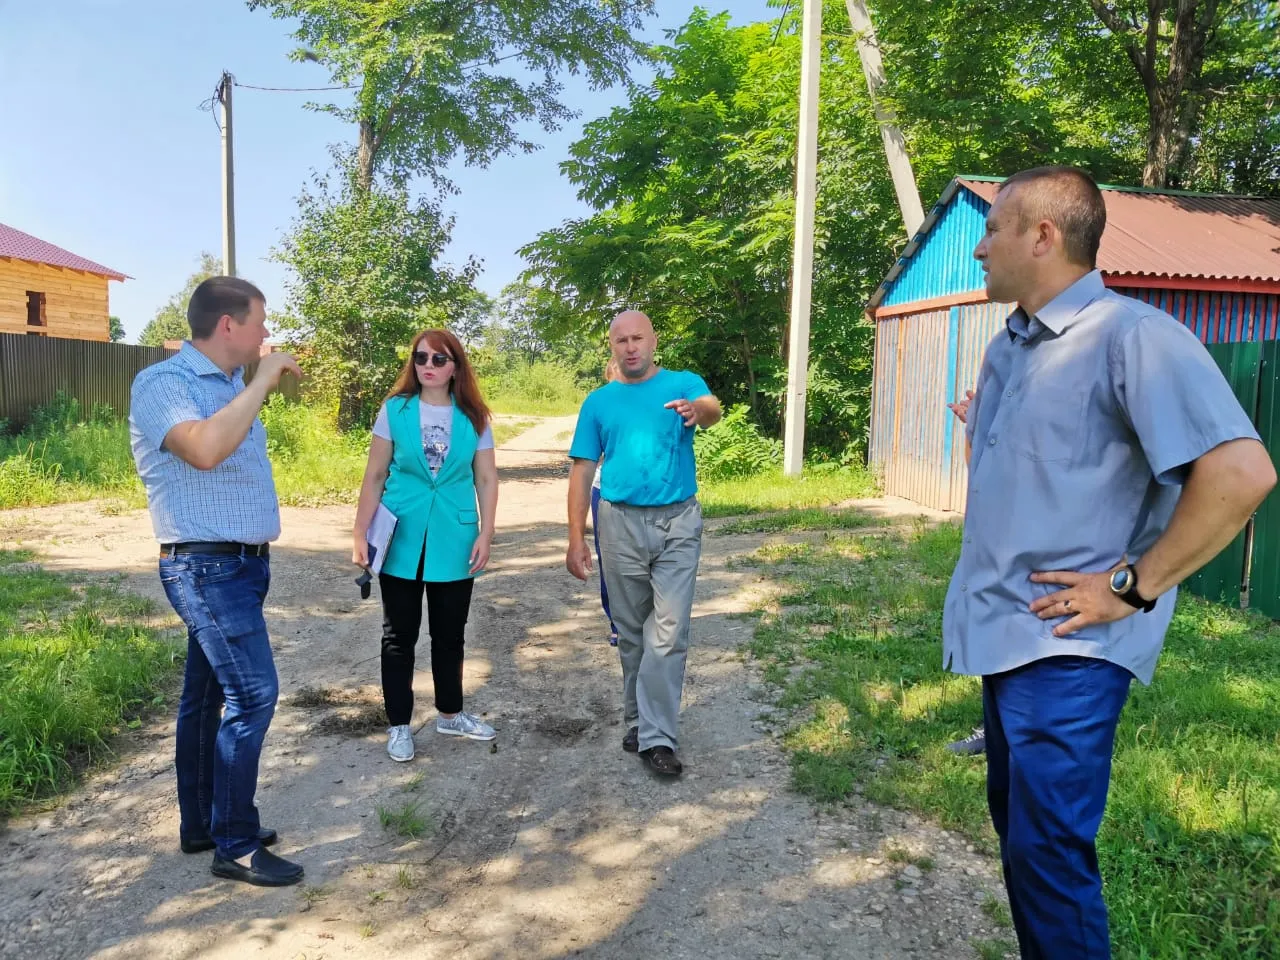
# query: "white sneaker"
[400,743]
[465,725]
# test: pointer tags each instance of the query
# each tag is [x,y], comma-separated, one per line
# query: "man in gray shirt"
[1108,461]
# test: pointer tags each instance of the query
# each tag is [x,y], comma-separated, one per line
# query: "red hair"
[465,389]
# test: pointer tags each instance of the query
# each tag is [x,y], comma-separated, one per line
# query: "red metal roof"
[1176,234]
[17,245]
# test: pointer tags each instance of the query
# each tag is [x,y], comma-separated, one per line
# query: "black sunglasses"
[420,358]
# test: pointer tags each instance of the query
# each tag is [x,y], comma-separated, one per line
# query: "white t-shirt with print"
[437,426]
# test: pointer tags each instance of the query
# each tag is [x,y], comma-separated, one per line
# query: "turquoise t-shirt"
[648,451]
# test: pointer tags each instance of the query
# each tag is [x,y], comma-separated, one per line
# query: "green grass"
[816,487]
[60,459]
[541,388]
[75,668]
[405,820]
[504,430]
[995,949]
[790,521]
[1190,846]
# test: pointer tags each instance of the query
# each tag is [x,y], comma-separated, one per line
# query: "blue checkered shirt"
[233,502]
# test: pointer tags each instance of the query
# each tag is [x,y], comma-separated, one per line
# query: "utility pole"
[895,148]
[228,178]
[802,257]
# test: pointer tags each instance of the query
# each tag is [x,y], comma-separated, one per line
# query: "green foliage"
[540,388]
[426,73]
[116,329]
[693,181]
[734,448]
[74,670]
[365,280]
[1190,846]
[64,455]
[170,321]
[312,462]
[995,87]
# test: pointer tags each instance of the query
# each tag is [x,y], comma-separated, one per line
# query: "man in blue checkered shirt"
[202,455]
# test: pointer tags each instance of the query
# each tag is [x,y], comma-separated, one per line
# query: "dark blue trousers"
[228,695]
[604,593]
[1050,729]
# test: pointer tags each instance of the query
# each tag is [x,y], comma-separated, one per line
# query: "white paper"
[381,528]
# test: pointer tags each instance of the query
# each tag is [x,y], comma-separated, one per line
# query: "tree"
[427,77]
[115,329]
[693,182]
[170,321]
[366,278]
[1156,92]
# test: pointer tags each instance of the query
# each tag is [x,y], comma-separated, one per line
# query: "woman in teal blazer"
[430,460]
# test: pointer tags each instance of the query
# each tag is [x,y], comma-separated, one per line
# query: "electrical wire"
[249,86]
[786,8]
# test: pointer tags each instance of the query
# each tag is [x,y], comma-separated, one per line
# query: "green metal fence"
[1249,568]
[1264,565]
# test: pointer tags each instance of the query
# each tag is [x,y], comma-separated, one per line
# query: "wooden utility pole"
[802,257]
[895,147]
[228,178]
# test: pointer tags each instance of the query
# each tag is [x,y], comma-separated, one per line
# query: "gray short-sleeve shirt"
[1085,420]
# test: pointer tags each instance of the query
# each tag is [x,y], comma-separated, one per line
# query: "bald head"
[628,318]
[633,342]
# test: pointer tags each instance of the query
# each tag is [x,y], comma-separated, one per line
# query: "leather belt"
[238,549]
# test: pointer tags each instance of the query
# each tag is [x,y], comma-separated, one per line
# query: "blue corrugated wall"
[944,264]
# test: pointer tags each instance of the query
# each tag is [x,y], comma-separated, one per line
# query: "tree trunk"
[365,157]
[752,394]
[1173,101]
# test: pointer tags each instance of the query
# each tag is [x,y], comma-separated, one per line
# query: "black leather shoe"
[265,837]
[631,742]
[264,870]
[663,761]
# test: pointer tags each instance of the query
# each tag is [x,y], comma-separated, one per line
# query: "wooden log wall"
[76,303]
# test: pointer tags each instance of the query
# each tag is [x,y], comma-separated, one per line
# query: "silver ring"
[1067,604]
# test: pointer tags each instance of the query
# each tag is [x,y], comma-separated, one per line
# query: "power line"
[249,86]
[786,8]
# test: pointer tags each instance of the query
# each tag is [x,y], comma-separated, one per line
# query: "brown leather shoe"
[663,761]
[631,742]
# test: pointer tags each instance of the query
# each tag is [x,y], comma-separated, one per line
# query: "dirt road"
[553,844]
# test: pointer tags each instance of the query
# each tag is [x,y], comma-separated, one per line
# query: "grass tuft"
[406,820]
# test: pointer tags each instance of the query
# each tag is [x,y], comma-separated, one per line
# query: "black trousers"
[447,607]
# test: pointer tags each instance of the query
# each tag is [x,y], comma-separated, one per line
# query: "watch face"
[1121,580]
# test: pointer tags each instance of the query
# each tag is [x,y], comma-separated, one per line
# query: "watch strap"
[1135,599]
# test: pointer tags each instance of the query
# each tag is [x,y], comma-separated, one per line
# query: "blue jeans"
[229,663]
[604,593]
[1051,728]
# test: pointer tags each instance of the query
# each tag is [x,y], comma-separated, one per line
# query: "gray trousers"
[650,561]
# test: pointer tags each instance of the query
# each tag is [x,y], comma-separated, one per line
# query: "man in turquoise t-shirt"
[650,525]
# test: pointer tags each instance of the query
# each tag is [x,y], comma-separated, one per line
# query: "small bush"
[735,448]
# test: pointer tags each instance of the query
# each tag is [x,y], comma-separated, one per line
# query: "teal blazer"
[437,514]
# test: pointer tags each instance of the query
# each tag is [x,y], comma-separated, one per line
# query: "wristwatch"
[1124,584]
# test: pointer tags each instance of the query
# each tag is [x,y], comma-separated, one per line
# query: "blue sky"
[108,154]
